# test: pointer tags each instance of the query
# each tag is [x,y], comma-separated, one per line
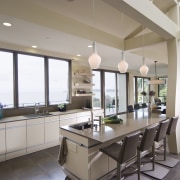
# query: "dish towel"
[63,152]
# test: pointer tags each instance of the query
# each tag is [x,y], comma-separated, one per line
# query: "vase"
[151,103]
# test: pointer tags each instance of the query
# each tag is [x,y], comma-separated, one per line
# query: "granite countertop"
[131,122]
[33,116]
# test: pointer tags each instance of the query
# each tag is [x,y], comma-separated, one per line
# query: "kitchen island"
[84,161]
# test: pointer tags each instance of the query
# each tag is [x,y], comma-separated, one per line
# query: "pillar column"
[173,91]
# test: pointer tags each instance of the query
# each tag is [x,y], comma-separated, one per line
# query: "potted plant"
[62,107]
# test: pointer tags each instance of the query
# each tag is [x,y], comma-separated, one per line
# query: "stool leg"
[118,171]
[164,148]
[139,163]
[153,156]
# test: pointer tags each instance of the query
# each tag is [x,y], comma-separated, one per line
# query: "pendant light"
[94,59]
[143,69]
[123,65]
[156,80]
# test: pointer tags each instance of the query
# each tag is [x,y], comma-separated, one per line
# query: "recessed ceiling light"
[34,46]
[90,46]
[7,24]
[78,55]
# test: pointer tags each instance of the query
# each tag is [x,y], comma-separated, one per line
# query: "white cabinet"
[67,119]
[98,112]
[52,131]
[83,116]
[2,142]
[35,134]
[15,139]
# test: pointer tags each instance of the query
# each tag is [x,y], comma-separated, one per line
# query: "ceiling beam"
[148,15]
[135,32]
[137,42]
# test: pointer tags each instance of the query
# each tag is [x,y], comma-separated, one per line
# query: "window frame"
[46,89]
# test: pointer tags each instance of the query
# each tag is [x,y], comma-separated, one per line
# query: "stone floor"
[43,165]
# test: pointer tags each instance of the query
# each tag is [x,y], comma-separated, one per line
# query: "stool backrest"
[148,137]
[162,129]
[129,147]
[130,108]
[136,106]
[144,105]
[172,125]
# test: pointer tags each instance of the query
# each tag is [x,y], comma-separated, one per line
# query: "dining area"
[109,150]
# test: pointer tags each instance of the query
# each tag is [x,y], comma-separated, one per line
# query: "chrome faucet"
[36,108]
[92,120]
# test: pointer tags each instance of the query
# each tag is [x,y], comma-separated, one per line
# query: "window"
[162,89]
[31,81]
[141,84]
[110,93]
[58,81]
[6,79]
[121,93]
[96,89]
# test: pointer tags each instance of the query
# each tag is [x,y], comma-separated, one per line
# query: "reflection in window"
[121,92]
[31,80]
[162,89]
[141,84]
[110,93]
[58,81]
[96,89]
[6,79]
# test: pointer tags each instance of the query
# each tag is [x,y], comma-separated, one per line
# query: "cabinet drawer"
[68,116]
[87,113]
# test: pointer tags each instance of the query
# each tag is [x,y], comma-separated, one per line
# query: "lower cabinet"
[52,131]
[22,137]
[35,134]
[68,119]
[2,142]
[83,116]
[15,139]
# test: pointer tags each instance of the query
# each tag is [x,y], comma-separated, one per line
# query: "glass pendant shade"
[156,80]
[94,59]
[144,69]
[123,65]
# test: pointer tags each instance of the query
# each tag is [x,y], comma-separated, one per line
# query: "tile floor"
[43,165]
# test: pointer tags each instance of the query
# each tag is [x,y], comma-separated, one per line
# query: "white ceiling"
[65,28]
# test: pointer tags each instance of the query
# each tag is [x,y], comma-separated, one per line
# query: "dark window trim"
[15,75]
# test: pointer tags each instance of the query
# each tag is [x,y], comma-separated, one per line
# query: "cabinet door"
[51,129]
[67,119]
[97,113]
[15,136]
[2,139]
[35,132]
[83,116]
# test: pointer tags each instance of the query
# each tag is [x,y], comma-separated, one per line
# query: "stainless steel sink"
[80,126]
[37,115]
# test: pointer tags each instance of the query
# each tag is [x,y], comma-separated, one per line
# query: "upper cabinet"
[82,81]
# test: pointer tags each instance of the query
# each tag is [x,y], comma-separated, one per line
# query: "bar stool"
[130,108]
[161,134]
[145,144]
[168,161]
[123,153]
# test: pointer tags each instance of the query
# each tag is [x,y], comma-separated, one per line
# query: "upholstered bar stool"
[157,171]
[161,134]
[123,153]
[146,143]
[168,161]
